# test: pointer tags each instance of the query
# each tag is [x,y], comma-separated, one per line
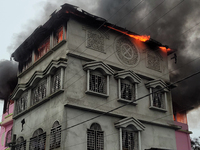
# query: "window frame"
[36,139]
[19,102]
[96,136]
[102,69]
[20,143]
[55,135]
[162,89]
[131,78]
[8,137]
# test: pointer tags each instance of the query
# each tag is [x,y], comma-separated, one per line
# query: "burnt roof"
[22,53]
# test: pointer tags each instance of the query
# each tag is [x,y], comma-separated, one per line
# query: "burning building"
[84,83]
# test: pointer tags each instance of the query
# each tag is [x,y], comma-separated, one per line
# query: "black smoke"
[173,23]
[8,80]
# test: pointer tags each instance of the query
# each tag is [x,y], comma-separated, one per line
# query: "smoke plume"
[8,80]
[173,23]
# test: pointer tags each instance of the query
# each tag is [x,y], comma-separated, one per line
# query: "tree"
[195,143]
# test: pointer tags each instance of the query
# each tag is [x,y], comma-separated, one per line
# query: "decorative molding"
[158,82]
[95,41]
[130,121]
[128,74]
[153,61]
[38,75]
[93,65]
[126,51]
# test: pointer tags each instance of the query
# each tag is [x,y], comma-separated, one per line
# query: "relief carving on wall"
[95,41]
[153,61]
[126,51]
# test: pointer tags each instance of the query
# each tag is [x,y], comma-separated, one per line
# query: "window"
[21,103]
[130,133]
[98,78]
[127,90]
[95,137]
[42,49]
[97,82]
[38,140]
[20,144]
[56,81]
[158,96]
[55,136]
[8,137]
[127,86]
[129,139]
[39,92]
[59,35]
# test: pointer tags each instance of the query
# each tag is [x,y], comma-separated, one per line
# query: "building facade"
[6,127]
[83,84]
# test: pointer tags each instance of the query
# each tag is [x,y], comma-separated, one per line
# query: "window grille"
[55,136]
[8,137]
[38,141]
[20,144]
[39,92]
[128,140]
[21,103]
[95,138]
[127,91]
[157,98]
[56,82]
[97,83]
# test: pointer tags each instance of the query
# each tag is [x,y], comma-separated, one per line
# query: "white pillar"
[151,95]
[88,80]
[139,140]
[120,138]
[119,88]
[107,85]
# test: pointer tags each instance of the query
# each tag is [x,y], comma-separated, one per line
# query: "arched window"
[38,140]
[95,137]
[8,137]
[55,137]
[20,144]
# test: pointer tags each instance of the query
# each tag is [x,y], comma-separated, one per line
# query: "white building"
[85,85]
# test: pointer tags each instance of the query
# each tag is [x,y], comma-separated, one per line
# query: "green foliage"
[195,143]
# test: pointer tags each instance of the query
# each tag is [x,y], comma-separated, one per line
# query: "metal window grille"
[22,103]
[55,136]
[127,91]
[128,140]
[38,142]
[56,82]
[39,92]
[95,139]
[8,137]
[157,98]
[97,83]
[21,144]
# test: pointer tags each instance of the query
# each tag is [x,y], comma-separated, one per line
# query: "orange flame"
[164,49]
[142,38]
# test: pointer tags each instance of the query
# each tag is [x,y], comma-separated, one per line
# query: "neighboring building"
[6,127]
[74,70]
[183,134]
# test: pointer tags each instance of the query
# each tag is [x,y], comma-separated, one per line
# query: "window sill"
[127,101]
[59,45]
[97,94]
[158,109]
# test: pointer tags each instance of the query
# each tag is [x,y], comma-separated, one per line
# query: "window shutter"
[99,140]
[90,139]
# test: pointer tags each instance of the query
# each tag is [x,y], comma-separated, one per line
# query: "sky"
[20,18]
